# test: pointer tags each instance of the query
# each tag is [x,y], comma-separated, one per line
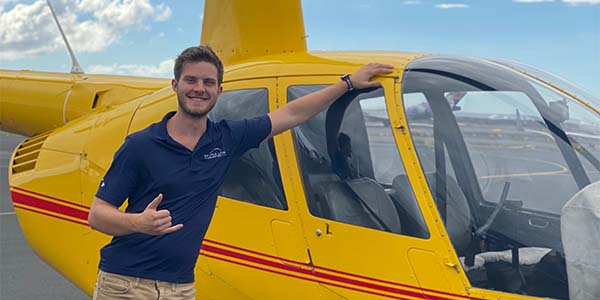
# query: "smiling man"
[171,173]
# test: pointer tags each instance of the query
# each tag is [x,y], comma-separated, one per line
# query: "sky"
[142,37]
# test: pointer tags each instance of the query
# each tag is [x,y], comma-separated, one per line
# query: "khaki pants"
[113,286]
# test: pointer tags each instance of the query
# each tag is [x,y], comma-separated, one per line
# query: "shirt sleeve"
[249,133]
[122,176]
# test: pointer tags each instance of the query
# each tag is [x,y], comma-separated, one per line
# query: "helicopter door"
[254,226]
[363,225]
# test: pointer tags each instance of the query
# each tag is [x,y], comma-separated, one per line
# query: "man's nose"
[198,86]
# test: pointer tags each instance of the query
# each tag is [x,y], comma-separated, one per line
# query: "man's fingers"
[163,213]
[172,229]
[379,69]
[373,84]
[154,204]
[362,78]
[163,220]
[165,228]
[160,228]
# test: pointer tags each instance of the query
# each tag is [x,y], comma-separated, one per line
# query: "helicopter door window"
[255,177]
[351,167]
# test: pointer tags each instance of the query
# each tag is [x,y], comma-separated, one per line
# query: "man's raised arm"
[306,107]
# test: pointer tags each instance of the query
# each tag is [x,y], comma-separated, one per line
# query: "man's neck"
[185,129]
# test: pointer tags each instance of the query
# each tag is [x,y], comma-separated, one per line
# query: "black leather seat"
[458,213]
[361,202]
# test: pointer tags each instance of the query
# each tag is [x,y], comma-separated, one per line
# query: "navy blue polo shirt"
[150,162]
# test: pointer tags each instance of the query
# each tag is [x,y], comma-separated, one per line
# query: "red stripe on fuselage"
[321,275]
[331,270]
[21,199]
[50,215]
[24,199]
[302,278]
[53,198]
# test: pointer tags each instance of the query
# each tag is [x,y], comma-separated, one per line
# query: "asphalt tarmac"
[23,276]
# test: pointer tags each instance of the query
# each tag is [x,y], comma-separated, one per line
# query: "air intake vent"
[27,153]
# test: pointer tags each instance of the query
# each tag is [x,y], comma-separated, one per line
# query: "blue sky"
[141,37]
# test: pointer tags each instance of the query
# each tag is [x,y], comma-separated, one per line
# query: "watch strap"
[346,79]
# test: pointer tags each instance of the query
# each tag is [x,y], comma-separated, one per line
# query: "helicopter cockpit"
[502,152]
[517,150]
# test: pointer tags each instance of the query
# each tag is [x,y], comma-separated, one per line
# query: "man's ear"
[220,90]
[174,84]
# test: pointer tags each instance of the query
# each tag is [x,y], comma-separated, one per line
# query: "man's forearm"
[305,107]
[310,105]
[108,219]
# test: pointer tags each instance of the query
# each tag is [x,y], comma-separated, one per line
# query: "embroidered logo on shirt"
[215,153]
[102,184]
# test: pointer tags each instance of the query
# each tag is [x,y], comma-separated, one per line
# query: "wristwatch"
[346,78]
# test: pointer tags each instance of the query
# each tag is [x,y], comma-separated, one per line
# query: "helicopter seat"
[458,214]
[378,202]
[337,202]
[358,201]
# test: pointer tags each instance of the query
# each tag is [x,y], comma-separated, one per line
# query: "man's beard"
[194,114]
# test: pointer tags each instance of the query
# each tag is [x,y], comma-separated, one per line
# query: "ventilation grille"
[27,153]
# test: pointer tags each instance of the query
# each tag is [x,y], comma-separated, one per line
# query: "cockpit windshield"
[552,79]
[507,152]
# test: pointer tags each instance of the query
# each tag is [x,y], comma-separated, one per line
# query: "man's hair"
[198,54]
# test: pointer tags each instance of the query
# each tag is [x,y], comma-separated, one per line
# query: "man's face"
[197,88]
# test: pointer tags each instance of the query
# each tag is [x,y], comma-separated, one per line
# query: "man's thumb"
[154,204]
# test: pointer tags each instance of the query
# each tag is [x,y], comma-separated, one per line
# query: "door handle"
[538,223]
[318,232]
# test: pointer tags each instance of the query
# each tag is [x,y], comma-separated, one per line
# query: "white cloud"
[451,5]
[163,69]
[124,14]
[163,13]
[412,2]
[90,25]
[570,2]
[532,1]
[577,2]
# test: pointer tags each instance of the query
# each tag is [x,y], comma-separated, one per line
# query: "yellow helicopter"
[459,178]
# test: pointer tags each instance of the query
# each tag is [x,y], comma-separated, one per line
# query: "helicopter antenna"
[75,67]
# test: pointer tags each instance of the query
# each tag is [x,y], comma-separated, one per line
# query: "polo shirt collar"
[159,131]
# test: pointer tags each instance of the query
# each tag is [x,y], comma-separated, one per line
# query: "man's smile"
[198,97]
